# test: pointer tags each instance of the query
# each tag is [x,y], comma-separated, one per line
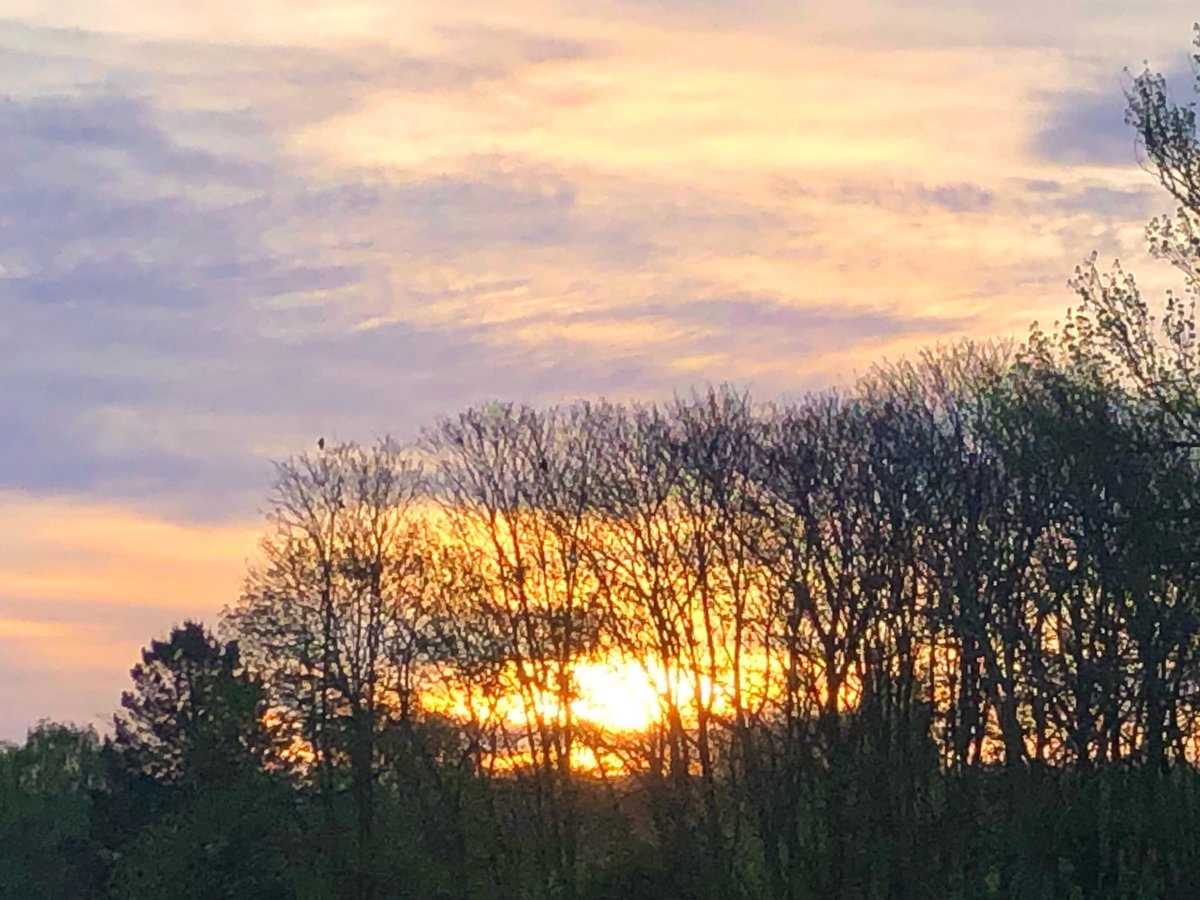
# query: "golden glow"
[25,629]
[80,552]
[84,586]
[615,695]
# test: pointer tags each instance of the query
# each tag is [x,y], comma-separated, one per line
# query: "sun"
[617,696]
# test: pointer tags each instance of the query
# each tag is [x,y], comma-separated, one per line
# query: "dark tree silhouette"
[194,716]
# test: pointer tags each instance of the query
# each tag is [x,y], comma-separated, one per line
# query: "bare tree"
[331,617]
[514,488]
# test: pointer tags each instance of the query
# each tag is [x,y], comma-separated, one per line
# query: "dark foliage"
[194,717]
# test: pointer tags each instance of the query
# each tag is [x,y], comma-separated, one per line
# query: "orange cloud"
[81,551]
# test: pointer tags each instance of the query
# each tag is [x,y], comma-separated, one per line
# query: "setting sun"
[616,696]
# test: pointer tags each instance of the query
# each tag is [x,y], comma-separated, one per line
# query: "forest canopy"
[936,634]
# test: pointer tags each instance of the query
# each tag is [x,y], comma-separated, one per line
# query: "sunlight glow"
[615,695]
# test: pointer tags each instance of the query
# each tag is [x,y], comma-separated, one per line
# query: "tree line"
[933,635]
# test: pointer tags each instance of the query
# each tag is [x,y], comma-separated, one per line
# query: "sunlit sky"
[231,227]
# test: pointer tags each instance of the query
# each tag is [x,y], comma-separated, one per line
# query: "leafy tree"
[225,840]
[48,844]
[194,716]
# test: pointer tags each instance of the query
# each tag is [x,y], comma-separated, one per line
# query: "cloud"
[767,343]
[963,197]
[476,41]
[187,316]
[1086,128]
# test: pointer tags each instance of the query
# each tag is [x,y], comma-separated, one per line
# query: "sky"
[227,229]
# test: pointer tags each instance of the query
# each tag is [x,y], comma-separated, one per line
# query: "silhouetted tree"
[49,846]
[515,490]
[194,716]
[332,620]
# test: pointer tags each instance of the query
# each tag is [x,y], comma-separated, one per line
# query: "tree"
[194,716]
[1144,363]
[48,792]
[1115,327]
[333,618]
[515,490]
[224,840]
